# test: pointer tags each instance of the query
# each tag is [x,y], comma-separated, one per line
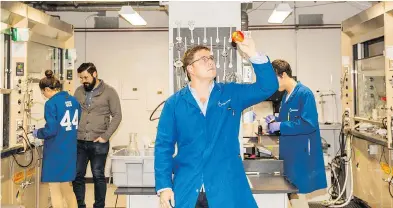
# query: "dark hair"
[49,81]
[280,66]
[189,57]
[87,66]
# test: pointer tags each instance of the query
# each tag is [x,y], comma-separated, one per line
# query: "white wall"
[314,54]
[131,60]
[142,57]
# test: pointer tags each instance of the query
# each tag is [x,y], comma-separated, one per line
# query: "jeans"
[96,153]
[202,201]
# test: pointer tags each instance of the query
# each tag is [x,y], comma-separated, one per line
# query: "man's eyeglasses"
[204,58]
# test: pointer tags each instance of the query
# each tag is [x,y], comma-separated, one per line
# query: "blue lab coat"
[62,113]
[300,141]
[208,147]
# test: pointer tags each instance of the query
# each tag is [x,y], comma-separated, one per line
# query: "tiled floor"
[110,197]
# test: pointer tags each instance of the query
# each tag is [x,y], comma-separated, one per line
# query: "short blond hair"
[188,57]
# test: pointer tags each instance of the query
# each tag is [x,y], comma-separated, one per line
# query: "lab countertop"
[262,184]
[18,149]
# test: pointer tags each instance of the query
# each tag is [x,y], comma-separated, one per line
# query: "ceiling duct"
[95,6]
[310,19]
[244,16]
[106,22]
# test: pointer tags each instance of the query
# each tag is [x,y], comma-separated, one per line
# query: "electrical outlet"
[19,124]
[373,149]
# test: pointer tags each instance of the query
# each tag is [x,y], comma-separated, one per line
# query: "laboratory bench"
[268,186]
[268,190]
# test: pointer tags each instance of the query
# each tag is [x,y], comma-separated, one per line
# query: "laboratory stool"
[114,150]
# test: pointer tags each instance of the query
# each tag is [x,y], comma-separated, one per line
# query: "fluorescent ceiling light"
[130,15]
[280,13]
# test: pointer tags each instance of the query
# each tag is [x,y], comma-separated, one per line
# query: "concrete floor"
[110,197]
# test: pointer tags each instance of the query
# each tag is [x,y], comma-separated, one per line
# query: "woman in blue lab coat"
[300,141]
[62,114]
[203,119]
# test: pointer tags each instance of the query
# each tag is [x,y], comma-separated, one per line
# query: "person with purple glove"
[62,113]
[300,141]
[35,133]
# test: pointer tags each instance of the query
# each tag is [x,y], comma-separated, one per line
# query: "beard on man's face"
[90,86]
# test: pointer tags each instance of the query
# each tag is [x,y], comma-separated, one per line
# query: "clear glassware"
[370,86]
[133,145]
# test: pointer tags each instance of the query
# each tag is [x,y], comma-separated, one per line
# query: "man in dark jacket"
[99,102]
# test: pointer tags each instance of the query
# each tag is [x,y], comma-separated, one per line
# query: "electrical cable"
[350,155]
[335,187]
[351,190]
[331,203]
[24,166]
[335,177]
[338,159]
[390,184]
[117,196]
[151,115]
[31,150]
[32,154]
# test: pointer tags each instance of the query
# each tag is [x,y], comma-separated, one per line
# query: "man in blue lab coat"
[300,141]
[203,119]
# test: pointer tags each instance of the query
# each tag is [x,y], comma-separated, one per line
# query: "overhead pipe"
[142,29]
[297,25]
[99,8]
[250,28]
[96,7]
[294,27]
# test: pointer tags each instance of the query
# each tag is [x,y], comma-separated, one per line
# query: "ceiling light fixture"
[280,13]
[131,16]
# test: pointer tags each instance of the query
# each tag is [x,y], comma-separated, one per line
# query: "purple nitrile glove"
[35,132]
[270,118]
[273,127]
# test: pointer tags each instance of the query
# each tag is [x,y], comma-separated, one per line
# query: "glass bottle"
[133,145]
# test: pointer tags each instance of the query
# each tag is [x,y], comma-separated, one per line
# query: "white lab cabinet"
[143,201]
[271,200]
[156,91]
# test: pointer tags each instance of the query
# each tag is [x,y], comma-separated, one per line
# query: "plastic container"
[132,171]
